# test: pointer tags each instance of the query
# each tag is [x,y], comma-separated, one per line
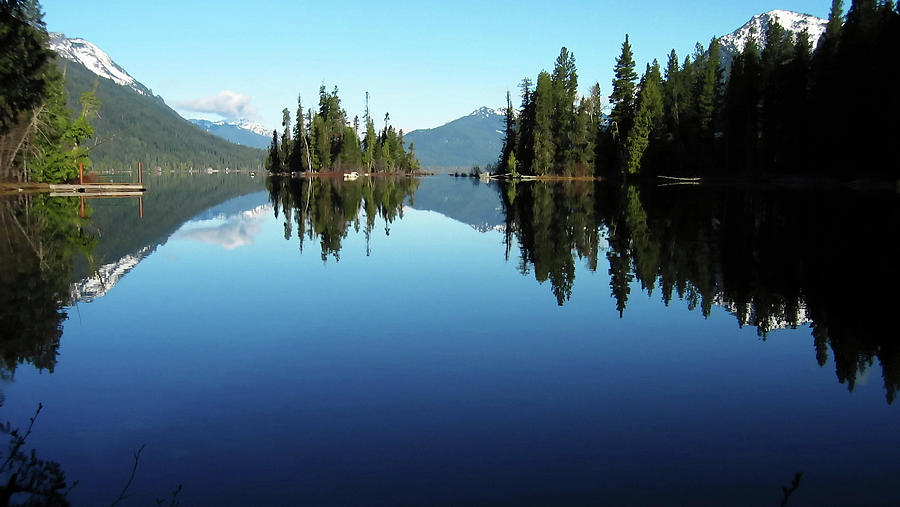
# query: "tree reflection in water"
[41,236]
[326,208]
[774,258]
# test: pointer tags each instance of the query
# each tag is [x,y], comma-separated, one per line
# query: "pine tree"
[622,96]
[273,161]
[544,149]
[300,158]
[648,118]
[565,89]
[509,135]
[370,139]
[525,127]
[709,86]
[833,29]
[673,90]
[286,144]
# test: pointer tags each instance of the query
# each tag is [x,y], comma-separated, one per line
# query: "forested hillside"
[134,127]
[474,139]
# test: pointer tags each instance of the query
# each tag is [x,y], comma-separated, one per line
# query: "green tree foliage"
[648,118]
[136,128]
[525,127]
[39,138]
[509,136]
[332,143]
[564,81]
[286,145]
[273,160]
[24,60]
[299,156]
[622,97]
[775,114]
[43,236]
[325,209]
[544,147]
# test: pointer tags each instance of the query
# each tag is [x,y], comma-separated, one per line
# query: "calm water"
[540,344]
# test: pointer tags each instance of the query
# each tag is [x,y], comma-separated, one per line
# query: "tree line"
[325,140]
[781,107]
[40,139]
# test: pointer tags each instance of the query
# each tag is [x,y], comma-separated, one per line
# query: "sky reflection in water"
[432,371]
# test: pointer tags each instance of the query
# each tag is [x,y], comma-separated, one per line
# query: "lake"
[444,341]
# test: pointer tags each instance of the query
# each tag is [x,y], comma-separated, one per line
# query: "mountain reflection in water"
[432,371]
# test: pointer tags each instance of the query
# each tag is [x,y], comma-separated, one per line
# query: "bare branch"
[137,457]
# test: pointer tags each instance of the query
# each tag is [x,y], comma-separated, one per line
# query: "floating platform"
[76,189]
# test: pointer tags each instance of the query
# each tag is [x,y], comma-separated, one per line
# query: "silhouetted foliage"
[766,256]
[325,208]
[792,106]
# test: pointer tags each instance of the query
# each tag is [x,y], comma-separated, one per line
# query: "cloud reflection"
[236,231]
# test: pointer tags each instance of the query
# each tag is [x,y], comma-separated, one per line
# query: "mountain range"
[136,126]
[142,127]
[243,132]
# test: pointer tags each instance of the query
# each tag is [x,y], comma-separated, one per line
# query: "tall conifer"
[622,96]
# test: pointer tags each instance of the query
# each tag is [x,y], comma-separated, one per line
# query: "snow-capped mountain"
[244,132]
[486,112]
[252,126]
[106,277]
[794,22]
[96,60]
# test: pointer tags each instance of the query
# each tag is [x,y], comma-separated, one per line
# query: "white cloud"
[229,104]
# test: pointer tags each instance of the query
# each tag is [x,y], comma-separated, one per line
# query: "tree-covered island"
[326,140]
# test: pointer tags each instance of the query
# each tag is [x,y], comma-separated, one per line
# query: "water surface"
[399,355]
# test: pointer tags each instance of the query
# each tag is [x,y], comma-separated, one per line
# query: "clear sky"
[424,62]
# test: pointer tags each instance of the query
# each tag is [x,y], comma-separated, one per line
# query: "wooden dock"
[90,190]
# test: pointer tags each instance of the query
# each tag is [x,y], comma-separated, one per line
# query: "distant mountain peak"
[252,126]
[487,112]
[94,59]
[242,131]
[794,22]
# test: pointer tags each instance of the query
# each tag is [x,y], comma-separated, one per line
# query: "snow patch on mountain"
[791,21]
[486,112]
[252,126]
[95,59]
[105,278]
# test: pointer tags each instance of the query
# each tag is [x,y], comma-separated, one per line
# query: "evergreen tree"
[273,160]
[544,148]
[709,86]
[525,127]
[24,60]
[370,139]
[300,158]
[509,135]
[623,96]
[833,29]
[321,143]
[564,91]
[286,144]
[648,119]
[673,91]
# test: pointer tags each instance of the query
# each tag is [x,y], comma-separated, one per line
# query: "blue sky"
[424,62]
